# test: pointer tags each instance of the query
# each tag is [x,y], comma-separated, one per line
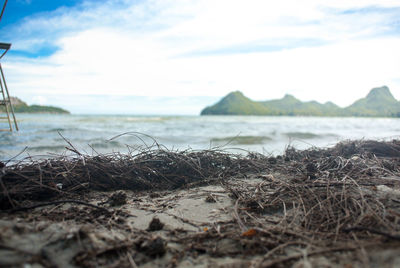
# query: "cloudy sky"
[177,56]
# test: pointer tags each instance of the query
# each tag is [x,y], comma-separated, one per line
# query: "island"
[22,107]
[378,103]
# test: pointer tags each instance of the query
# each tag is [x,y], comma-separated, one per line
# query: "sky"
[178,56]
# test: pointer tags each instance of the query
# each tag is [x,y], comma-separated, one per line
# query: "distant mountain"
[235,103]
[289,105]
[21,107]
[379,102]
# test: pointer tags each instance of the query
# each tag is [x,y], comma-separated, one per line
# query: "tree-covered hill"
[289,105]
[22,107]
[379,102]
[235,103]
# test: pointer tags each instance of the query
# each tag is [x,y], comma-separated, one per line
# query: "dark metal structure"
[5,101]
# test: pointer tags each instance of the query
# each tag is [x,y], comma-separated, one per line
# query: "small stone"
[155,225]
[210,199]
[117,199]
[153,247]
[154,195]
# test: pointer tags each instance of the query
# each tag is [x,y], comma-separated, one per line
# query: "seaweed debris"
[157,169]
[320,207]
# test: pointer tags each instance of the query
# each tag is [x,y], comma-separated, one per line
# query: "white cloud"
[41,100]
[190,48]
[28,2]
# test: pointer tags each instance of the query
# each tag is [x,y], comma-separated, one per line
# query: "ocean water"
[40,135]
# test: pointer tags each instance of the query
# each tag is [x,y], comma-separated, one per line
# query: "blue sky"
[19,9]
[176,56]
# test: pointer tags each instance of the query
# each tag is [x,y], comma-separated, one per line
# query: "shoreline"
[337,207]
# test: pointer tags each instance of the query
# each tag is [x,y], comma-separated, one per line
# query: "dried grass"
[152,169]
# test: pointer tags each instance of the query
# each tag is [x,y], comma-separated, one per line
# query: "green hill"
[289,105]
[22,107]
[235,103]
[379,102]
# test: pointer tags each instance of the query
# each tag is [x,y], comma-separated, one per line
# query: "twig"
[131,261]
[281,246]
[56,203]
[5,191]
[11,159]
[360,229]
[237,217]
[72,149]
[341,184]
[274,262]
[182,219]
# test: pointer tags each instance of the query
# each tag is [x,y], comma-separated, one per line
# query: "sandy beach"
[335,207]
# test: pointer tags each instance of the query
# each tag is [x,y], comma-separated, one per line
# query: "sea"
[48,135]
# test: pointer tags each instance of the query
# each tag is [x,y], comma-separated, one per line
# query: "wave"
[242,140]
[106,144]
[145,119]
[122,119]
[59,129]
[56,130]
[307,135]
[51,148]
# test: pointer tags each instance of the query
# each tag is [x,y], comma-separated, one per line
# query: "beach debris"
[335,205]
[210,199]
[154,195]
[155,225]
[249,233]
[272,160]
[117,199]
[153,247]
[158,169]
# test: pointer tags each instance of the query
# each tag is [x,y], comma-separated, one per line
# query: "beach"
[320,207]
